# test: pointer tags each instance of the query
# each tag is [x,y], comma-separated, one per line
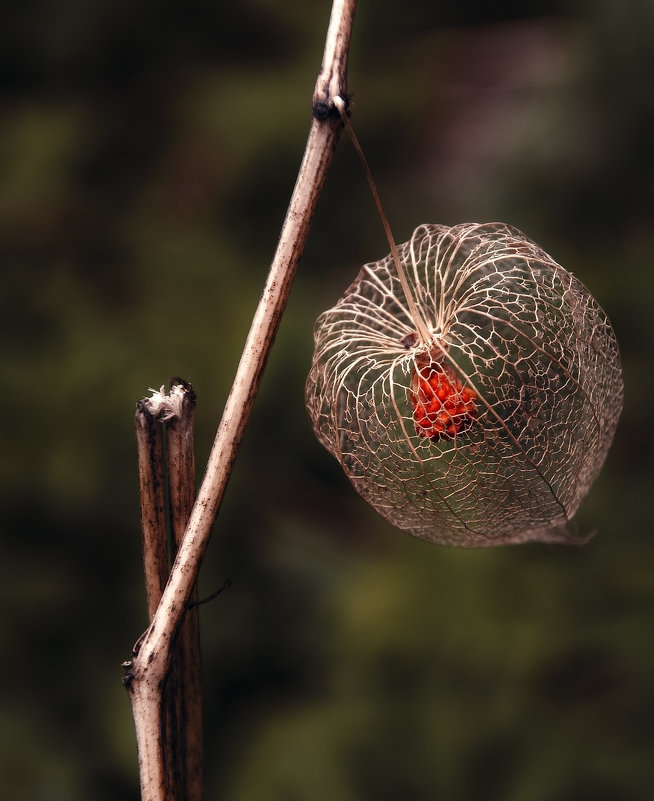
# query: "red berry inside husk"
[443,407]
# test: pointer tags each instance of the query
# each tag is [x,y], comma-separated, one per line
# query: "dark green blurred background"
[147,154]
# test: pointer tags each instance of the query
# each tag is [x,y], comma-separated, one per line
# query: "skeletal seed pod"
[472,400]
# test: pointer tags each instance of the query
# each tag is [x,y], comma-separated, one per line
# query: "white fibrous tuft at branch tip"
[166,407]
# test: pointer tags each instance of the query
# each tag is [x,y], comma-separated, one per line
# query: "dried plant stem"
[149,441]
[147,671]
[181,736]
[184,687]
[419,321]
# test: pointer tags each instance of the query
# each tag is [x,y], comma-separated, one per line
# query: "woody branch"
[147,670]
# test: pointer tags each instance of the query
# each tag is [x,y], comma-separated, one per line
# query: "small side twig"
[208,598]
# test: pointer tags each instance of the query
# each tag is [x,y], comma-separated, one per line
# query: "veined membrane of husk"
[491,431]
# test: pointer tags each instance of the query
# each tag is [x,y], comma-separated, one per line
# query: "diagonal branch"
[148,669]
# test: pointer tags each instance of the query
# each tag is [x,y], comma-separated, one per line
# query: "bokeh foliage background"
[147,153]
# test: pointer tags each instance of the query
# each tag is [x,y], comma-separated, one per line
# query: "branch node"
[328,109]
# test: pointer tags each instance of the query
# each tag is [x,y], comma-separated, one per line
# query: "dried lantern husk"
[491,432]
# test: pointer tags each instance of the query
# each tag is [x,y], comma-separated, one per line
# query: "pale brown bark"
[147,671]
